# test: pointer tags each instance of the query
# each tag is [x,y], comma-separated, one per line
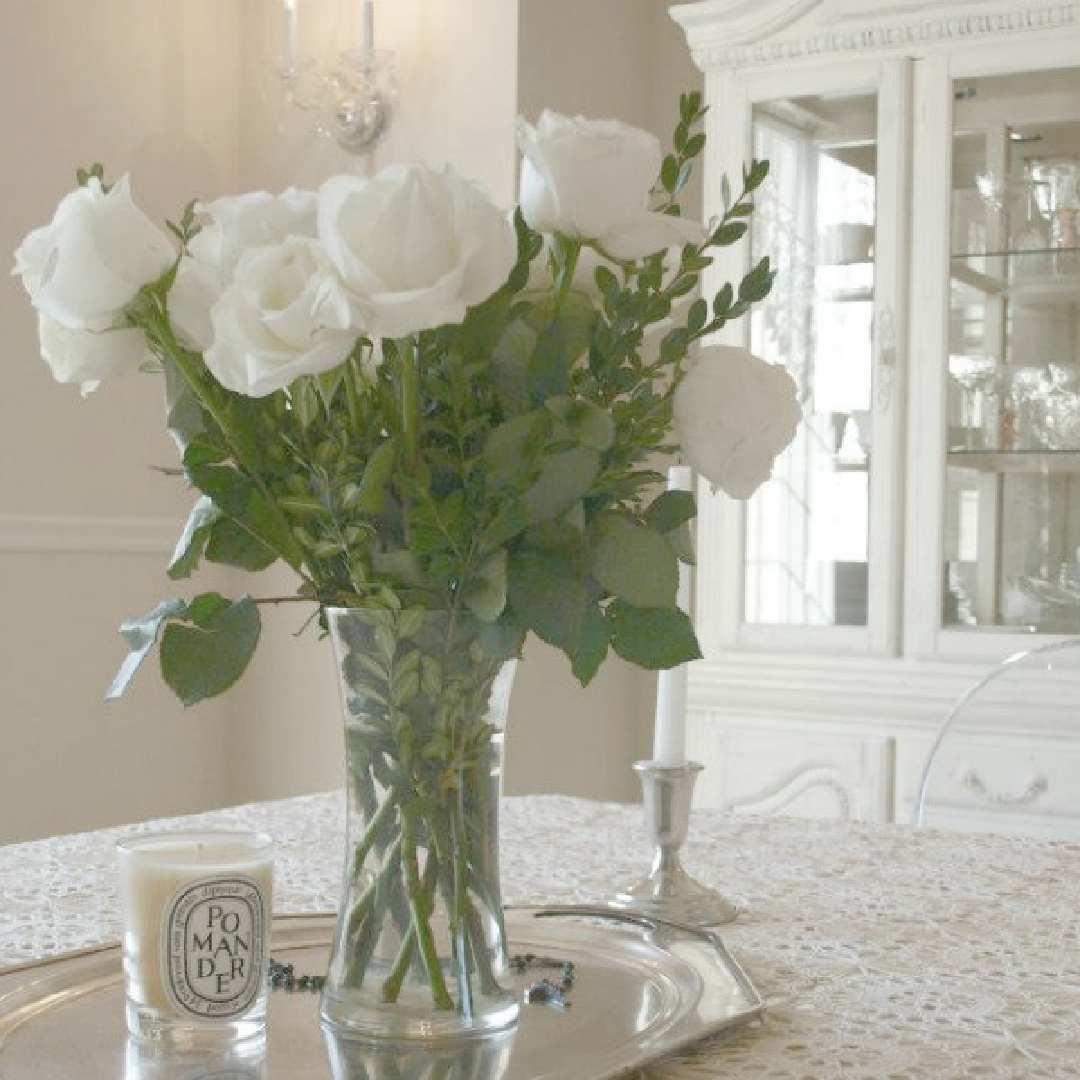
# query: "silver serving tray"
[642,989]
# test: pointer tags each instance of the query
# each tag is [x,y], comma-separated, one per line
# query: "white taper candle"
[368,24]
[288,39]
[669,729]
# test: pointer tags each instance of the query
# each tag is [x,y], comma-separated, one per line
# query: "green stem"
[573,250]
[421,915]
[409,389]
[392,984]
[366,916]
[215,402]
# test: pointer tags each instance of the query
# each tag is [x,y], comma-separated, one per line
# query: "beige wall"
[627,60]
[183,96]
[85,522]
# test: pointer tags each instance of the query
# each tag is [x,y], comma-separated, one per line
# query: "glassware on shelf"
[1057,191]
[970,234]
[977,377]
[1026,408]
[1062,407]
[1029,231]
[990,184]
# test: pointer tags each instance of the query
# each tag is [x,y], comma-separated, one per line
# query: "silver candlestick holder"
[668,891]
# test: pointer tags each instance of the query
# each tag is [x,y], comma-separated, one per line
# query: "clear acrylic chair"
[1007,757]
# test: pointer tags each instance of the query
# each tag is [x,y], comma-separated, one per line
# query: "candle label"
[212,955]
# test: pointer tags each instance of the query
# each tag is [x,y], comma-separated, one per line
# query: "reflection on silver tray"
[642,989]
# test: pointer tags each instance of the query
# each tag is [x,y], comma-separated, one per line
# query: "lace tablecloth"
[882,951]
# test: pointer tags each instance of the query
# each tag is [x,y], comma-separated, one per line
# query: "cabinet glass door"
[1011,512]
[807,530]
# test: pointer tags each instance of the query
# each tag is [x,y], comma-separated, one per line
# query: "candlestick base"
[668,891]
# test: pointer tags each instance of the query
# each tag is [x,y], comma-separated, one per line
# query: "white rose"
[238,223]
[285,315]
[734,414]
[89,357]
[415,247]
[88,264]
[194,291]
[591,179]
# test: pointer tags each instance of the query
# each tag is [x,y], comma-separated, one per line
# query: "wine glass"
[975,375]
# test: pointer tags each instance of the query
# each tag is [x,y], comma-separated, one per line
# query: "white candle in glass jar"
[196,910]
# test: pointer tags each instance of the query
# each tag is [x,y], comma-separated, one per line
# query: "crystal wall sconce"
[352,100]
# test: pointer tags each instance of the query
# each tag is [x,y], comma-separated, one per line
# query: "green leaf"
[756,285]
[183,411]
[588,423]
[236,496]
[550,597]
[207,654]
[564,478]
[510,365]
[503,639]
[141,634]
[562,340]
[512,449]
[697,316]
[695,145]
[670,509]
[374,491]
[593,646]
[635,563]
[485,592]
[731,232]
[669,173]
[652,638]
[231,545]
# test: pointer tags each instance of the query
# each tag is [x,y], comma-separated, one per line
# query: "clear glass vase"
[419,952]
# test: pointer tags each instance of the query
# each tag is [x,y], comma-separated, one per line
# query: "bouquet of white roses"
[403,392]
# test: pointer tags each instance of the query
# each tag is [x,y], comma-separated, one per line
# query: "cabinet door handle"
[974,783]
[884,336]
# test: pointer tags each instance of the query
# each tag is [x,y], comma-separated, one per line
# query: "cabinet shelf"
[1033,278]
[1016,461]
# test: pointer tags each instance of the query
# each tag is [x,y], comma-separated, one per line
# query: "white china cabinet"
[923,216]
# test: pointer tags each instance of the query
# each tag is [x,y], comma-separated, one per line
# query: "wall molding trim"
[872,26]
[29,534]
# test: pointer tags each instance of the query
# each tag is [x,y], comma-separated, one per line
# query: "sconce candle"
[368,24]
[196,910]
[669,731]
[288,41]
